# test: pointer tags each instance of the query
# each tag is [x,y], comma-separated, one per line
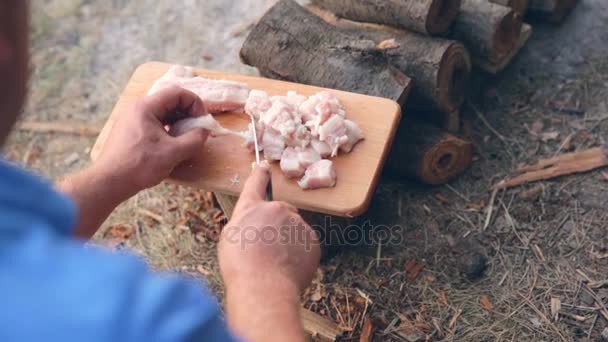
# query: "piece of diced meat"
[308,109]
[218,95]
[290,163]
[333,132]
[307,156]
[248,134]
[321,147]
[281,117]
[300,138]
[273,143]
[354,134]
[319,175]
[257,103]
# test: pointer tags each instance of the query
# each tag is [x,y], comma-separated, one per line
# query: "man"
[54,289]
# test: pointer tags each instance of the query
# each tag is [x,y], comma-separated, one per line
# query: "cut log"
[440,68]
[554,11]
[566,164]
[292,44]
[490,31]
[526,31]
[519,6]
[431,17]
[428,154]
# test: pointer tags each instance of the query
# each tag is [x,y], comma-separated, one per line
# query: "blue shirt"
[52,288]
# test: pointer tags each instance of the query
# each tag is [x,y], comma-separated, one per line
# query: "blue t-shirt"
[52,288]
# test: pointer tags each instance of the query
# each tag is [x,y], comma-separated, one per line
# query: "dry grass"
[543,244]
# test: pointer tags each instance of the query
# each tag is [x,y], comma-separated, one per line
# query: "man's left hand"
[140,152]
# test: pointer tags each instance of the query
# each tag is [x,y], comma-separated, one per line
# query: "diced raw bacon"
[290,163]
[300,138]
[307,156]
[354,134]
[308,109]
[321,147]
[281,117]
[319,175]
[333,132]
[274,144]
[248,134]
[218,95]
[257,103]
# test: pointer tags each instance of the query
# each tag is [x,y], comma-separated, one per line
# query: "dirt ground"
[536,271]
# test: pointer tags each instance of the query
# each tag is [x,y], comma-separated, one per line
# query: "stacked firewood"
[420,53]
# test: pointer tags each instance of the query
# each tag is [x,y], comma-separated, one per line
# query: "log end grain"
[507,35]
[442,14]
[453,78]
[428,154]
[450,157]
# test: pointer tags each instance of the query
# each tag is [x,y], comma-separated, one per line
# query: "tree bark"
[292,44]
[488,30]
[428,154]
[440,68]
[519,6]
[432,17]
[554,11]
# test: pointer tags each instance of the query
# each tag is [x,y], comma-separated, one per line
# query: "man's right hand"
[267,256]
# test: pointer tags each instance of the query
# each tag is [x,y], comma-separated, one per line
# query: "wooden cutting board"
[227,164]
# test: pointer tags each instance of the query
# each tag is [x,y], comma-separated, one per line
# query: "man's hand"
[267,256]
[138,154]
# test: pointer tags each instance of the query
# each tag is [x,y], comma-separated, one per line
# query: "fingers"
[255,187]
[189,145]
[172,104]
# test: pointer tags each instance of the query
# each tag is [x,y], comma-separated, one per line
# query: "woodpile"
[420,53]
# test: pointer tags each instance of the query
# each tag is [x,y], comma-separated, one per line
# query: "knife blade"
[269,196]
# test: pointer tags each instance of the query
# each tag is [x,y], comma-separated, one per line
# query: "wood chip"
[565,164]
[485,302]
[120,232]
[548,136]
[368,330]
[151,215]
[319,327]
[532,193]
[441,198]
[388,44]
[556,306]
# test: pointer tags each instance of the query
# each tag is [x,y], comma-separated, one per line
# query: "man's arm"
[267,255]
[138,154]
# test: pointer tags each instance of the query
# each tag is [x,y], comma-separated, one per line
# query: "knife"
[257,159]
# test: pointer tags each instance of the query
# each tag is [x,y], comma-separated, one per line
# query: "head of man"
[14,61]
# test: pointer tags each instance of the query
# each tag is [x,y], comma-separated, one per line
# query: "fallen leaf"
[368,330]
[441,198]
[476,206]
[120,232]
[537,127]
[413,269]
[388,44]
[548,136]
[430,278]
[485,302]
[443,297]
[533,192]
[556,306]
